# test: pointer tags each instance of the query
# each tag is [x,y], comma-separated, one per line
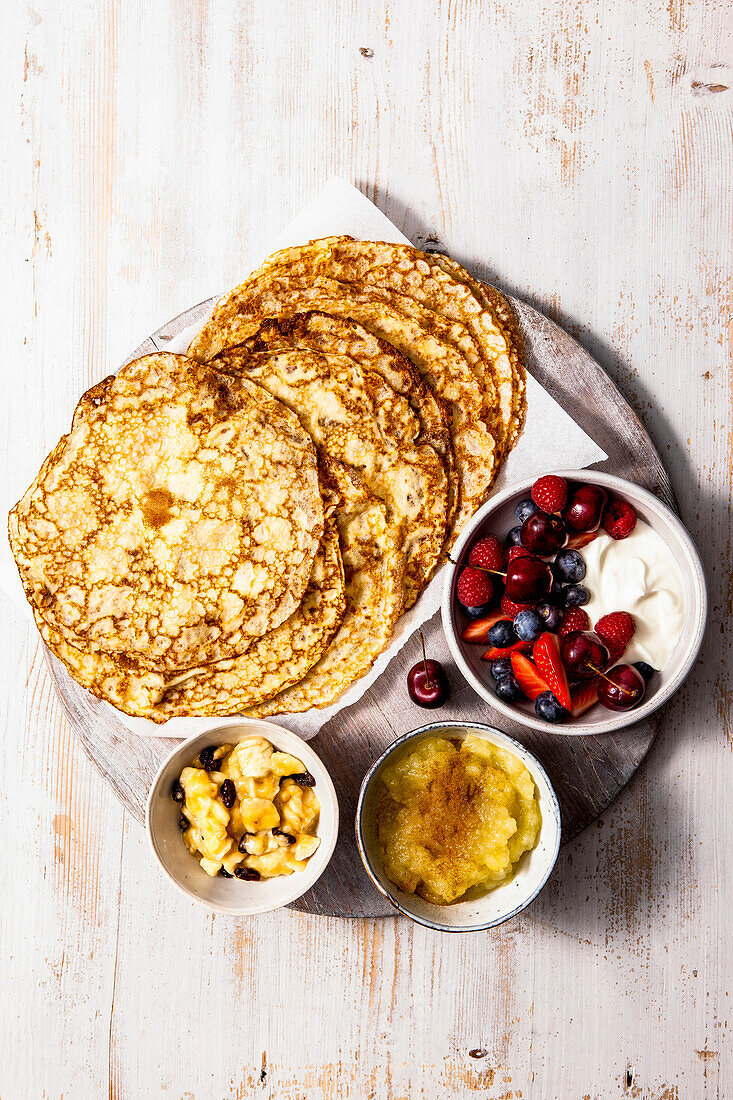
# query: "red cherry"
[622,688]
[543,533]
[585,508]
[427,683]
[527,580]
[583,654]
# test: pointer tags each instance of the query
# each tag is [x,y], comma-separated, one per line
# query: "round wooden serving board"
[587,772]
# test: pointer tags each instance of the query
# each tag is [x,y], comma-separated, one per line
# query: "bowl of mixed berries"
[576,602]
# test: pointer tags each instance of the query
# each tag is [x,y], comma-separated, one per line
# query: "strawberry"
[474,588]
[495,653]
[488,553]
[550,493]
[527,676]
[546,653]
[512,609]
[517,552]
[573,619]
[580,539]
[478,630]
[619,519]
[616,630]
[583,696]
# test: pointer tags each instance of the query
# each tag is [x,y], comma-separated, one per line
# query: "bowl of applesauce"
[458,826]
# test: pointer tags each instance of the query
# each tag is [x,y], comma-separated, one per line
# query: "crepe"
[420,336]
[373,573]
[353,416]
[177,521]
[275,661]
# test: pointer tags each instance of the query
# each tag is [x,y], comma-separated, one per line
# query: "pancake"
[417,333]
[353,416]
[372,570]
[437,283]
[336,335]
[273,662]
[177,521]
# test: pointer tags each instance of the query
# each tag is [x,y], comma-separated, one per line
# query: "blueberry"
[646,670]
[525,508]
[546,706]
[528,626]
[476,612]
[514,538]
[501,668]
[502,634]
[550,614]
[557,594]
[575,595]
[569,566]
[509,690]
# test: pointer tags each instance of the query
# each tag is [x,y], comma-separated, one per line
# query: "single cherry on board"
[527,580]
[583,654]
[621,688]
[427,683]
[543,533]
[585,508]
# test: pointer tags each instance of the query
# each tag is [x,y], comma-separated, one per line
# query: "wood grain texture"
[587,772]
[579,155]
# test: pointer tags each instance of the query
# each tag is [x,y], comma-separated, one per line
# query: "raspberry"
[550,493]
[574,619]
[619,519]
[509,607]
[518,552]
[616,630]
[488,553]
[474,588]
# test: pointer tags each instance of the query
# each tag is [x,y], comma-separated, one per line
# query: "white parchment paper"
[550,439]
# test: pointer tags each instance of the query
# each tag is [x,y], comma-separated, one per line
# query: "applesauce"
[455,815]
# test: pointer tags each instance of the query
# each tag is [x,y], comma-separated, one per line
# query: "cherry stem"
[623,690]
[428,683]
[481,568]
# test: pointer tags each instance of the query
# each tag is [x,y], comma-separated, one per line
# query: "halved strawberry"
[583,697]
[478,630]
[527,676]
[494,653]
[580,539]
[546,653]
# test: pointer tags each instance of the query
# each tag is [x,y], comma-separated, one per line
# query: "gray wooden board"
[587,772]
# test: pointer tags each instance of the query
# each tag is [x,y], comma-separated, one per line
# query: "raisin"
[183,822]
[177,792]
[278,832]
[228,793]
[303,779]
[247,873]
[242,843]
[225,874]
[206,758]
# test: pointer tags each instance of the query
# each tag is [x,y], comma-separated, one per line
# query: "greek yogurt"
[638,574]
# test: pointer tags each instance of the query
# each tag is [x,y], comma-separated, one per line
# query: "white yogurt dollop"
[637,574]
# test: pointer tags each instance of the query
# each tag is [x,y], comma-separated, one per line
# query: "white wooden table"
[578,154]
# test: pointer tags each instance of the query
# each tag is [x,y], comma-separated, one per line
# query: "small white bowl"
[495,906]
[496,518]
[235,896]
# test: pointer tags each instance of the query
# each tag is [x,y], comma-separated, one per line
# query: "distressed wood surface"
[579,155]
[587,772]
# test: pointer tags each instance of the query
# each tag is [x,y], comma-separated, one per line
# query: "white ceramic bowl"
[496,518]
[235,896]
[495,906]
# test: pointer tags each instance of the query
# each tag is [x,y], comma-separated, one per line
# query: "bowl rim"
[323,782]
[619,721]
[533,765]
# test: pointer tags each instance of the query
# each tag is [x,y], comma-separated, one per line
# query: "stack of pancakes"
[237,530]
